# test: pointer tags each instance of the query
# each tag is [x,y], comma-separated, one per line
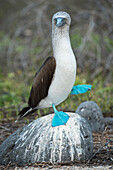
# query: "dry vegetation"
[25,42]
[27,31]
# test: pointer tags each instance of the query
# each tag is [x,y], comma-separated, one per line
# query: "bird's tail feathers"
[25,111]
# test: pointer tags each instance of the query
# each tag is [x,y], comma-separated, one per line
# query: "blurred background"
[25,42]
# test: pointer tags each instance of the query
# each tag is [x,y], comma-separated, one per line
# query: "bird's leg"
[81,89]
[60,118]
[54,108]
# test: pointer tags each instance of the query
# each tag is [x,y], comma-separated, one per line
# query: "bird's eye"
[55,20]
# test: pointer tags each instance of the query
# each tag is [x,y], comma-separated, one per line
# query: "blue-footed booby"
[55,79]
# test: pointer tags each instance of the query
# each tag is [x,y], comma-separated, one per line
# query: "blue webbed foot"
[80,89]
[60,118]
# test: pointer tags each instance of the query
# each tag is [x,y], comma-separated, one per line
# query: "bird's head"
[61,20]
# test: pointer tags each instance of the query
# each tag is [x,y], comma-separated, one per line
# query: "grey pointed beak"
[60,21]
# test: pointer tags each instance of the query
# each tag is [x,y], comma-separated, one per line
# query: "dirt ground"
[102,157]
[107,167]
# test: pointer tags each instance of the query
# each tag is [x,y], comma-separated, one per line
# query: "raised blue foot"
[80,89]
[60,118]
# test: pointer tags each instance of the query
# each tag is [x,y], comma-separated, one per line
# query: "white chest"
[65,72]
[64,78]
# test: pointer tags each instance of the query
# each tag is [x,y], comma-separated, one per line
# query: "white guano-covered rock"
[90,111]
[40,142]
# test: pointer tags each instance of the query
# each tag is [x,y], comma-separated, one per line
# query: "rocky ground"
[102,156]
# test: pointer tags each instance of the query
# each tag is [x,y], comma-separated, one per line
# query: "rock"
[90,111]
[108,121]
[40,142]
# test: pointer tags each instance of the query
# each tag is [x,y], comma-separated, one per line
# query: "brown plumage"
[40,87]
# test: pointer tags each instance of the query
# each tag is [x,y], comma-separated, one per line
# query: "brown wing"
[42,82]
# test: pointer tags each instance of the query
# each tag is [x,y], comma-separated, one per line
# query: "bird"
[55,80]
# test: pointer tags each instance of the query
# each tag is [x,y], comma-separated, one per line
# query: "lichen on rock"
[90,111]
[40,142]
